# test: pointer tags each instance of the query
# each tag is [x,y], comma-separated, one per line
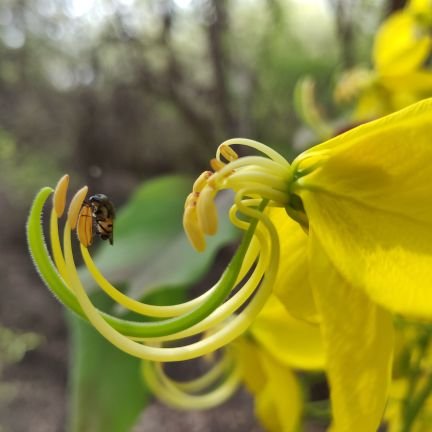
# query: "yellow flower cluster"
[401,74]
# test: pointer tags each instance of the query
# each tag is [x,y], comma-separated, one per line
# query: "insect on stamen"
[96,212]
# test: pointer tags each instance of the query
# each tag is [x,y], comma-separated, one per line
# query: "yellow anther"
[59,197]
[201,181]
[207,211]
[75,206]
[216,164]
[228,153]
[193,229]
[191,199]
[85,226]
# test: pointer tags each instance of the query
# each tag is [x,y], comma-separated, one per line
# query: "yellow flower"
[363,200]
[401,75]
[342,236]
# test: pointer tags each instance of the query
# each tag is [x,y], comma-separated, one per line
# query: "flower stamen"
[216,164]
[75,206]
[228,153]
[84,226]
[59,197]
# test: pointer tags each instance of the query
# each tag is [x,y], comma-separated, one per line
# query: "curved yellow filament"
[272,154]
[56,246]
[250,161]
[206,380]
[246,176]
[170,393]
[264,192]
[226,310]
[135,305]
[211,343]
[154,310]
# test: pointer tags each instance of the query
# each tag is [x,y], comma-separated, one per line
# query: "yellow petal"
[390,93]
[422,10]
[252,372]
[279,405]
[358,337]
[292,284]
[278,402]
[290,341]
[401,45]
[419,82]
[370,206]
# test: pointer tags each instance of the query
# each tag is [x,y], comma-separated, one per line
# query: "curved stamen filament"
[227,309]
[55,245]
[207,379]
[267,193]
[272,154]
[203,314]
[246,177]
[49,274]
[135,305]
[169,326]
[40,254]
[147,309]
[182,395]
[249,161]
[216,340]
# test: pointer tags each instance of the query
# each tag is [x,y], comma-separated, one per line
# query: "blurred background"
[117,92]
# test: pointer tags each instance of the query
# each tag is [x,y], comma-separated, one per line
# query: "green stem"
[318,410]
[417,405]
[412,406]
[55,283]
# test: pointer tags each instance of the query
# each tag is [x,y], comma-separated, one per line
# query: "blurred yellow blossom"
[401,74]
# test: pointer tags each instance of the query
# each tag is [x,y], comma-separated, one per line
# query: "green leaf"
[150,248]
[107,392]
[150,255]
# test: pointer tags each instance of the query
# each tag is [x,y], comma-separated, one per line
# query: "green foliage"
[107,393]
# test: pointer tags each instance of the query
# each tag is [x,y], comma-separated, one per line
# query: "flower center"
[251,178]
